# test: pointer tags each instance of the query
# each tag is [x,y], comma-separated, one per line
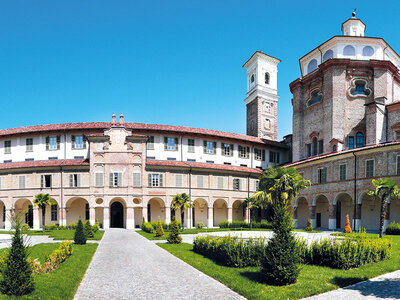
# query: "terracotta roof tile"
[44,163]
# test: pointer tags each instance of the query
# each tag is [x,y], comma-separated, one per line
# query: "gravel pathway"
[386,286]
[128,266]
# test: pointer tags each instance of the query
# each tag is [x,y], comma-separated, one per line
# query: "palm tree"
[183,202]
[41,200]
[384,189]
[250,203]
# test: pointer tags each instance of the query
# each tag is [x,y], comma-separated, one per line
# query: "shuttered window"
[244,152]
[398,166]
[53,142]
[342,172]
[220,182]
[236,184]
[45,181]
[29,144]
[322,175]
[150,143]
[74,180]
[155,180]
[1,183]
[200,181]
[136,178]
[191,145]
[115,179]
[227,149]
[78,141]
[171,144]
[178,180]
[54,210]
[21,182]
[99,179]
[7,147]
[210,147]
[369,168]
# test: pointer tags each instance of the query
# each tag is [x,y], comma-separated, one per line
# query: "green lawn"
[59,234]
[63,282]
[312,280]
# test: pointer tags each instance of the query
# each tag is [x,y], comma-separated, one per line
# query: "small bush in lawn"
[88,230]
[146,226]
[174,237]
[393,228]
[53,227]
[96,226]
[25,228]
[309,226]
[200,225]
[58,256]
[71,226]
[79,236]
[224,224]
[159,228]
[36,266]
[62,227]
[347,227]
[17,277]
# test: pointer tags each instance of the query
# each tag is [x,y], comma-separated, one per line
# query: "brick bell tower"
[262,96]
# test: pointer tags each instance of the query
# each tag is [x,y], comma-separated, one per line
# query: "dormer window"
[359,140]
[315,97]
[266,78]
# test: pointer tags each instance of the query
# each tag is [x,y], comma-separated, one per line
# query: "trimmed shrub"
[224,224]
[17,277]
[62,227]
[71,226]
[244,224]
[53,227]
[347,227]
[230,251]
[393,228]
[88,230]
[159,228]
[200,225]
[36,266]
[174,237]
[309,226]
[79,236]
[96,226]
[58,256]
[146,226]
[281,256]
[25,227]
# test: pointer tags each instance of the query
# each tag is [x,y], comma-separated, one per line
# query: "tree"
[173,236]
[384,189]
[41,200]
[279,187]
[79,236]
[251,203]
[17,274]
[183,202]
[159,228]
[88,230]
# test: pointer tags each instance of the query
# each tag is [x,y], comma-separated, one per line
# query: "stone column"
[247,215]
[229,214]
[295,213]
[106,217]
[130,218]
[312,214]
[210,217]
[92,215]
[144,213]
[358,217]
[36,218]
[63,216]
[188,218]
[332,216]
[167,214]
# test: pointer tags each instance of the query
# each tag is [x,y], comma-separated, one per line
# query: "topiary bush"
[281,256]
[393,228]
[71,226]
[79,236]
[244,224]
[309,226]
[347,227]
[147,227]
[159,228]
[200,225]
[17,277]
[96,226]
[58,256]
[174,237]
[88,230]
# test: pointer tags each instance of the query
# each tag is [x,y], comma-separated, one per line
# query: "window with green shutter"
[178,180]
[150,142]
[74,180]
[136,179]
[369,168]
[54,210]
[155,180]
[342,172]
[115,179]
[21,182]
[200,181]
[322,175]
[45,181]
[191,145]
[220,182]
[236,184]
[29,144]
[7,147]
[99,179]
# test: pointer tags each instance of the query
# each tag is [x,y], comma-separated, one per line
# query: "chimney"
[114,120]
[121,120]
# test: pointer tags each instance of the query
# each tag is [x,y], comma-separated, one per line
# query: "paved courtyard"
[128,266]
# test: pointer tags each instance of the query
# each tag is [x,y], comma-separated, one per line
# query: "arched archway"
[370,212]
[200,211]
[156,208]
[116,215]
[344,206]
[25,205]
[220,211]
[322,211]
[303,212]
[77,208]
[3,215]
[237,211]
[138,211]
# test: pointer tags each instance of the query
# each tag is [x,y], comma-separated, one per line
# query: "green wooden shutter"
[263,154]
[79,177]
[161,179]
[72,142]
[205,146]
[41,181]
[231,150]
[215,147]
[84,141]
[111,179]
[119,179]
[176,144]
[149,179]
[71,180]
[58,142]
[165,143]
[47,142]
[247,152]
[51,180]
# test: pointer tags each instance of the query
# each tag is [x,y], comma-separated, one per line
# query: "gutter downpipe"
[62,196]
[355,190]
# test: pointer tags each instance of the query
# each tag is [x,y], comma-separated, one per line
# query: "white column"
[188,218]
[7,223]
[144,213]
[167,214]
[36,218]
[314,223]
[92,215]
[247,214]
[106,217]
[130,218]
[63,216]
[358,224]
[210,219]
[229,214]
[332,224]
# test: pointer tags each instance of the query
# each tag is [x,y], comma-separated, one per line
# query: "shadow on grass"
[255,276]
[346,281]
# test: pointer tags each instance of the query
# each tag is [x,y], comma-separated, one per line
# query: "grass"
[63,282]
[59,234]
[312,280]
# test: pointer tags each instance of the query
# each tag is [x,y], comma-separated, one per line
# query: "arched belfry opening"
[117,215]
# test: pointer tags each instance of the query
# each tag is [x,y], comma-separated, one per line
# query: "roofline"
[353,19]
[260,52]
[45,164]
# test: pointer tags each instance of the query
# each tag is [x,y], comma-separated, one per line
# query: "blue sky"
[165,62]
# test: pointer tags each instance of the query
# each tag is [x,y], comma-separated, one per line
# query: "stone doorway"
[117,215]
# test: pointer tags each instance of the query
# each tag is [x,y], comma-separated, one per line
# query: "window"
[322,175]
[155,180]
[351,142]
[191,145]
[45,181]
[136,179]
[227,163]
[99,179]
[369,168]
[210,147]
[4,213]
[79,157]
[151,157]
[266,78]
[259,154]
[200,181]
[244,152]
[7,161]
[87,211]
[209,161]
[398,165]
[342,172]
[360,88]
[220,182]
[308,150]
[171,144]
[7,147]
[368,51]
[257,184]
[74,180]
[115,179]
[334,148]
[29,144]
[29,159]
[53,157]
[312,65]
[191,160]
[252,78]
[21,182]
[54,210]
[314,146]
[328,54]
[178,180]
[53,142]
[320,147]
[227,149]
[150,143]
[236,184]
[349,51]
[243,165]
[274,157]
[171,158]
[315,97]
[359,140]
[78,142]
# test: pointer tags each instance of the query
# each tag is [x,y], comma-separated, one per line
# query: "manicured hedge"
[150,226]
[393,229]
[243,224]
